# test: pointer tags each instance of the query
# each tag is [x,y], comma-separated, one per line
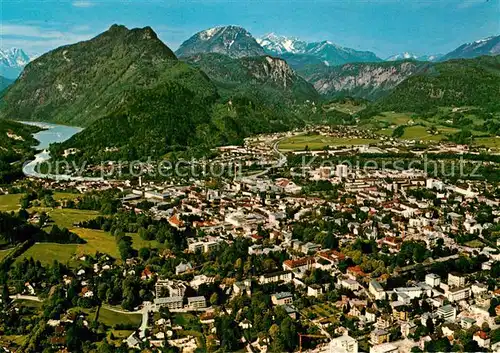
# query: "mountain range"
[412,56]
[487,46]
[132,94]
[12,62]
[137,99]
[328,52]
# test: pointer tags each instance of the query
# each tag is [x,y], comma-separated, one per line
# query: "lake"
[53,133]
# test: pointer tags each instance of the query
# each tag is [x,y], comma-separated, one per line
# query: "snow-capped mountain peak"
[14,57]
[326,51]
[402,56]
[277,44]
[230,40]
[12,61]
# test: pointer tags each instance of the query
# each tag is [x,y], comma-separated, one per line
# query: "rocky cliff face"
[251,74]
[369,81]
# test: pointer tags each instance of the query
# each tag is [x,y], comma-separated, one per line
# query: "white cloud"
[27,31]
[38,40]
[83,4]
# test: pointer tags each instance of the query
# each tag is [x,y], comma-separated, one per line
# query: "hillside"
[81,83]
[474,82]
[363,80]
[4,83]
[266,78]
[136,99]
[233,41]
[16,143]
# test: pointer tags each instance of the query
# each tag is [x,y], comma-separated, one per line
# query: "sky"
[385,27]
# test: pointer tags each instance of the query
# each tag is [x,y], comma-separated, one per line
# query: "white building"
[376,290]
[448,313]
[432,280]
[342,171]
[457,294]
[344,344]
[456,280]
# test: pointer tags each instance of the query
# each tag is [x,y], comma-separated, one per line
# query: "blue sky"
[382,26]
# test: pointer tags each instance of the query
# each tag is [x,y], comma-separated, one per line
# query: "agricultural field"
[348,107]
[318,142]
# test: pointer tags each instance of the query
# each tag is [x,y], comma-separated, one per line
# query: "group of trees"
[14,228]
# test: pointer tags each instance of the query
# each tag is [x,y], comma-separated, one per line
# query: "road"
[25,297]
[279,163]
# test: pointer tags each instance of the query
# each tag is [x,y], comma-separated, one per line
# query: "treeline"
[15,229]
[106,202]
[147,227]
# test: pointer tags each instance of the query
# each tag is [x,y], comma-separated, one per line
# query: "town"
[288,249]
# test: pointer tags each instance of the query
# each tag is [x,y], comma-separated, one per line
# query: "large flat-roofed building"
[197,302]
[448,313]
[457,294]
[376,290]
[169,302]
[456,280]
[285,276]
[282,298]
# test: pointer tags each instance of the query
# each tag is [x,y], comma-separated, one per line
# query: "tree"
[5,295]
[430,325]
[144,253]
[214,299]
[289,334]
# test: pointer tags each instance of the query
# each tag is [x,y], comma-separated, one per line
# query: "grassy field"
[9,202]
[65,217]
[4,253]
[58,196]
[318,142]
[475,244]
[394,118]
[111,318]
[490,142]
[97,241]
[5,341]
[46,253]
